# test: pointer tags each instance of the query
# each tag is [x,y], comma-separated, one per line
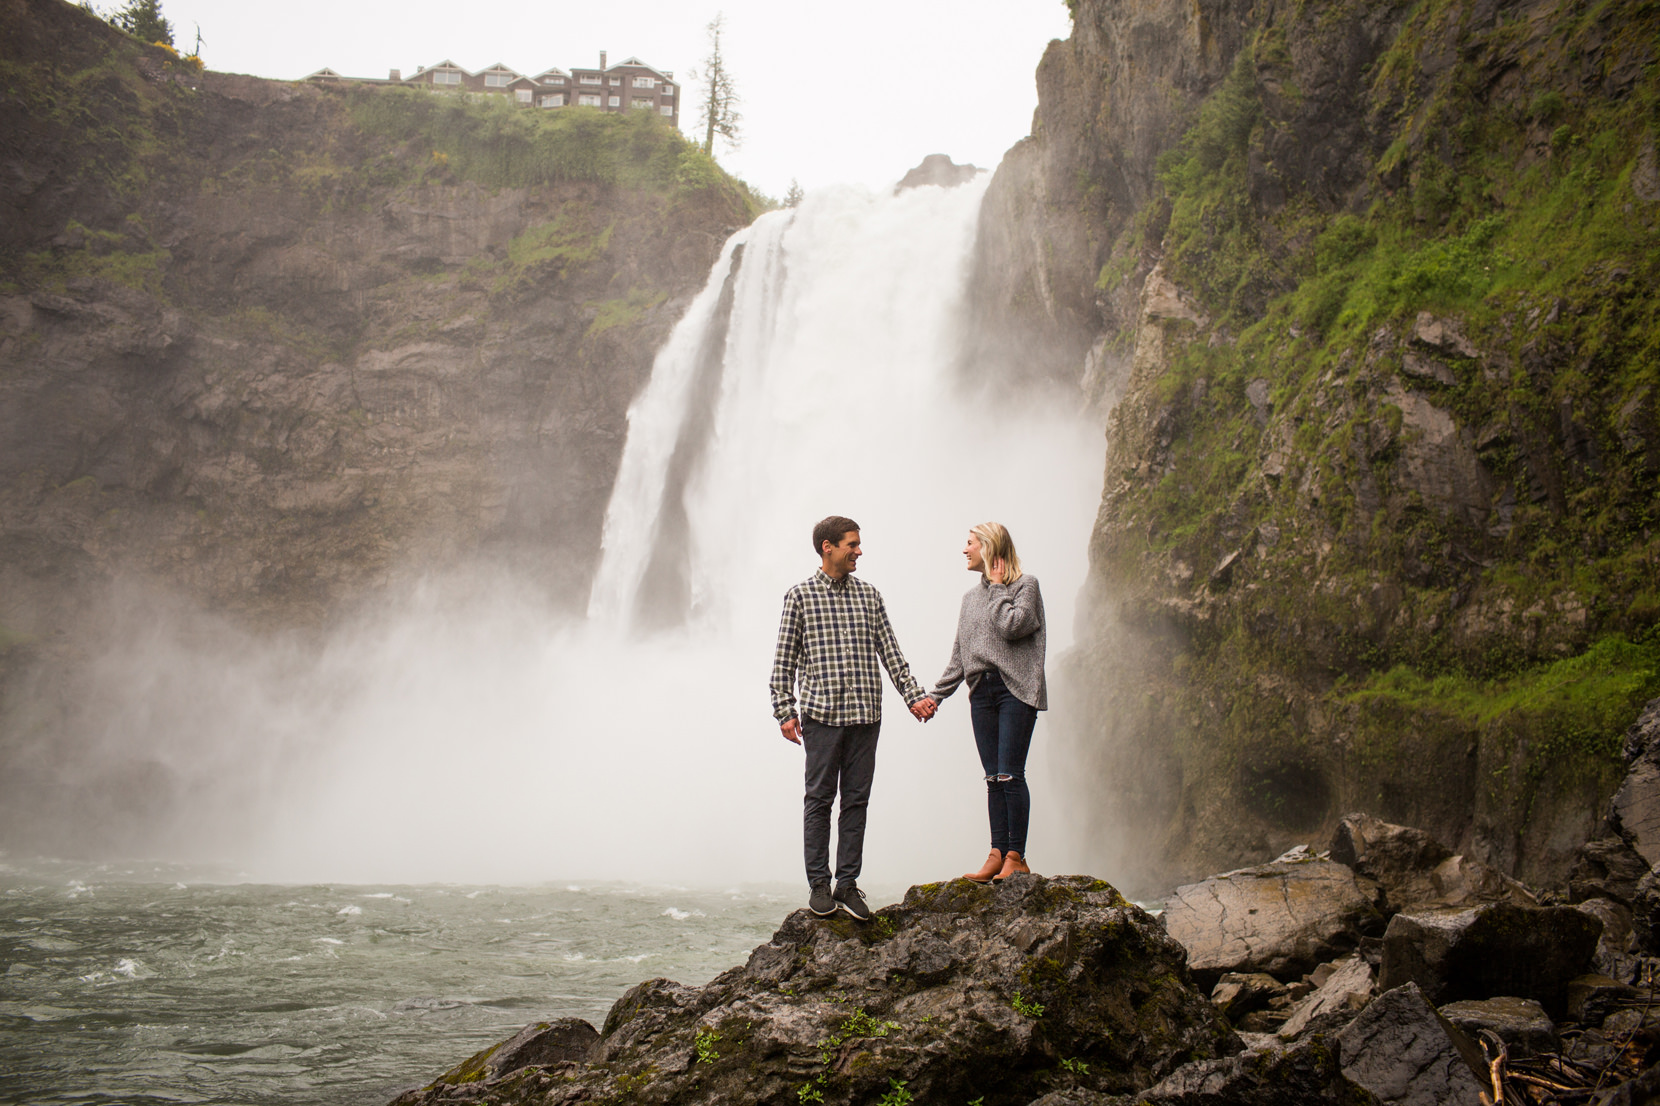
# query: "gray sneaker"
[821,902]
[852,900]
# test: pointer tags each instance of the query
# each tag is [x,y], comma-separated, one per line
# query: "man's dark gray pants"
[841,757]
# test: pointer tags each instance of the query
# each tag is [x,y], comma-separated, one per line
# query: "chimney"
[602,61]
[397,75]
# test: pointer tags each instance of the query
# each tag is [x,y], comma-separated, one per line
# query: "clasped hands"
[922,710]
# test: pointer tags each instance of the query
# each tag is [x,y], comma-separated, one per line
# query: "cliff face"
[1376,285]
[277,346]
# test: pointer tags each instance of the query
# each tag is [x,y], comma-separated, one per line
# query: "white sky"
[855,92]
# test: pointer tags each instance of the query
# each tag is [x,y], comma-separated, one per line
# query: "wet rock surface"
[957,992]
[1058,992]
[1286,916]
[1520,1023]
[1497,949]
[1402,1051]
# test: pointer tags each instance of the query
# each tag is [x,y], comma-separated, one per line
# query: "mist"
[464,730]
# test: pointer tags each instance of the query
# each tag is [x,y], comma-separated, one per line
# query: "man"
[833,631]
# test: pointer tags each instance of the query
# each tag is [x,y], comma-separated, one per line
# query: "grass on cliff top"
[499,144]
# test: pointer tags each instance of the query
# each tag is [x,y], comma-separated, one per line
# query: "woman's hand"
[997,571]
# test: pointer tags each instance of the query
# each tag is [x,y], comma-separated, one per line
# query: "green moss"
[625,311]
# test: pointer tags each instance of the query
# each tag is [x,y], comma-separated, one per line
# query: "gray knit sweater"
[1000,627]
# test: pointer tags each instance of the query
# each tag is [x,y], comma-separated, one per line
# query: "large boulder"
[1416,872]
[1282,918]
[1495,949]
[1406,1054]
[960,991]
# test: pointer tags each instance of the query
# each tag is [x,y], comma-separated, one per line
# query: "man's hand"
[792,730]
[997,571]
[924,708]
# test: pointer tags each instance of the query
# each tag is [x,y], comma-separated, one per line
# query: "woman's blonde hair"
[995,545]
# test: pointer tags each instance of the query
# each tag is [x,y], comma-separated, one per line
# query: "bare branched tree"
[720,93]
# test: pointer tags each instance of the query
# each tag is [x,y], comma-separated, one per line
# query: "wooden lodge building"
[630,85]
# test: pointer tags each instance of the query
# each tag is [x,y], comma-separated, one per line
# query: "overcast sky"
[854,92]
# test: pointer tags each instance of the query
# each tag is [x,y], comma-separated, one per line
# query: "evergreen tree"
[720,93]
[793,197]
[143,20]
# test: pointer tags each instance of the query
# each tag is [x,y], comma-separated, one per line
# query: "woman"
[999,651]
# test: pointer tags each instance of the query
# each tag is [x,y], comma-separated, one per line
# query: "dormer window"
[497,80]
[446,76]
[645,82]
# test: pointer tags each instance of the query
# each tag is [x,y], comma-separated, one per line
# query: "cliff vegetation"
[1378,529]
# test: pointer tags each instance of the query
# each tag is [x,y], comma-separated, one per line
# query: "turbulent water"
[139,985]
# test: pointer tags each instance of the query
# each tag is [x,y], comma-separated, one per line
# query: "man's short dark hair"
[832,530]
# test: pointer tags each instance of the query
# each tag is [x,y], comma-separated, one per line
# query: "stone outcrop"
[1280,918]
[1405,1053]
[937,170]
[1497,949]
[960,991]
[1058,992]
[1415,871]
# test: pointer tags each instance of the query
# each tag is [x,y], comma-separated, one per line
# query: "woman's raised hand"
[997,571]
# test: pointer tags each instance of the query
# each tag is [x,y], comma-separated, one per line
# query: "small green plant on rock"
[809,1093]
[1026,1009]
[705,1045]
[897,1095]
[1075,1066]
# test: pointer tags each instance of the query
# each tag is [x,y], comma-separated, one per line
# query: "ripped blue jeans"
[1003,732]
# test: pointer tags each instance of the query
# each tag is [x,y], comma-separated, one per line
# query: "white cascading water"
[464,737]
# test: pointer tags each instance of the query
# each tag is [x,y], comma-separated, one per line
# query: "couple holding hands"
[827,697]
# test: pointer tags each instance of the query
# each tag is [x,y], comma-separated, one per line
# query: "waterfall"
[814,375]
[461,734]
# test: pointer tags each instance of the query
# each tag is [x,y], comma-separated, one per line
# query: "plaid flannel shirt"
[830,636]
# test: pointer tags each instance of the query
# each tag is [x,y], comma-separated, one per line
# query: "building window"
[555,101]
[588,101]
[616,101]
[667,109]
[497,80]
[647,104]
[645,82]
[523,94]
[589,78]
[554,80]
[446,76]
[616,80]
[668,89]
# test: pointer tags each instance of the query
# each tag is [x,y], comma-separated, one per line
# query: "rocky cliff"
[1376,284]
[278,346]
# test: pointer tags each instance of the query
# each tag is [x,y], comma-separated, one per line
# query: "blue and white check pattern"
[830,638]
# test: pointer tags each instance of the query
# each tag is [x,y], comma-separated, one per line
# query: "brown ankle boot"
[993,865]
[1012,862]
